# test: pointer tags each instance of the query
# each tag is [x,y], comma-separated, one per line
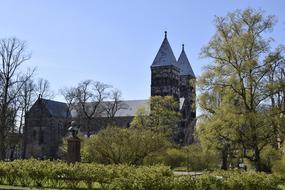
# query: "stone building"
[171,77]
[46,124]
[47,121]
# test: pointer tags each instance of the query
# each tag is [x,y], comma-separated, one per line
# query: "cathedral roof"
[164,55]
[132,106]
[55,108]
[127,108]
[184,65]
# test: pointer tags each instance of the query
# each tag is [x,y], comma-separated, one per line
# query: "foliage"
[235,180]
[241,92]
[199,158]
[57,174]
[163,116]
[279,167]
[172,157]
[269,155]
[115,145]
[193,156]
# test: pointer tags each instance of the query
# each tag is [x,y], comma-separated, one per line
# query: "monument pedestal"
[73,150]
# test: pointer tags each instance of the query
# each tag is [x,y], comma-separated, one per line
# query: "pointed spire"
[165,54]
[184,65]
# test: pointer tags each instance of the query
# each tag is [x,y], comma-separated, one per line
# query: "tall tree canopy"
[163,116]
[242,92]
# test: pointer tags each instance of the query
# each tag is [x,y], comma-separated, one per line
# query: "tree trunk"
[257,160]
[24,141]
[88,128]
[2,144]
[3,121]
[224,154]
[12,152]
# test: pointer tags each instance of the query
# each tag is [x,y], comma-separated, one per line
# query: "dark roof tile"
[164,56]
[184,65]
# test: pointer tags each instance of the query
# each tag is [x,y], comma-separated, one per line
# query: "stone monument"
[73,144]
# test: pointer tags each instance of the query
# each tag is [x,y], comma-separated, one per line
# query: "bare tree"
[69,94]
[43,88]
[12,56]
[90,95]
[114,105]
[26,98]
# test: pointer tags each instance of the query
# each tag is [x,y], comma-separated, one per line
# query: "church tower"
[187,82]
[164,72]
[188,95]
[170,77]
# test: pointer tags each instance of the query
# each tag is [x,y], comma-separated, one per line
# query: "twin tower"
[171,77]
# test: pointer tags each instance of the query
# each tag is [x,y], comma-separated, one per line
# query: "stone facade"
[45,129]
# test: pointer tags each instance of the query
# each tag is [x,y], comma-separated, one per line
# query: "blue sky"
[116,41]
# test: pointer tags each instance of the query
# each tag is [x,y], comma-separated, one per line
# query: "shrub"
[172,157]
[184,182]
[123,146]
[57,174]
[279,167]
[200,159]
[144,178]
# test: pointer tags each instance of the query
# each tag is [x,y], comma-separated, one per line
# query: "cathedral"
[47,120]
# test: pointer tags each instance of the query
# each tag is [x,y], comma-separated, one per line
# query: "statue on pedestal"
[73,129]
[73,144]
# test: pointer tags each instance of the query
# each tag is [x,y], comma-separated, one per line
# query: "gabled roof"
[131,107]
[55,108]
[184,65]
[164,55]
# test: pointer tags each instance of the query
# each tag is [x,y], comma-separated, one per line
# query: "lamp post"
[73,144]
[187,157]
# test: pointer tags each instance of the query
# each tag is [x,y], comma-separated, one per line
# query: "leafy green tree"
[238,82]
[218,134]
[115,145]
[163,116]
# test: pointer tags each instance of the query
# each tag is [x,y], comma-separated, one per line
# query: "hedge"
[58,174]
